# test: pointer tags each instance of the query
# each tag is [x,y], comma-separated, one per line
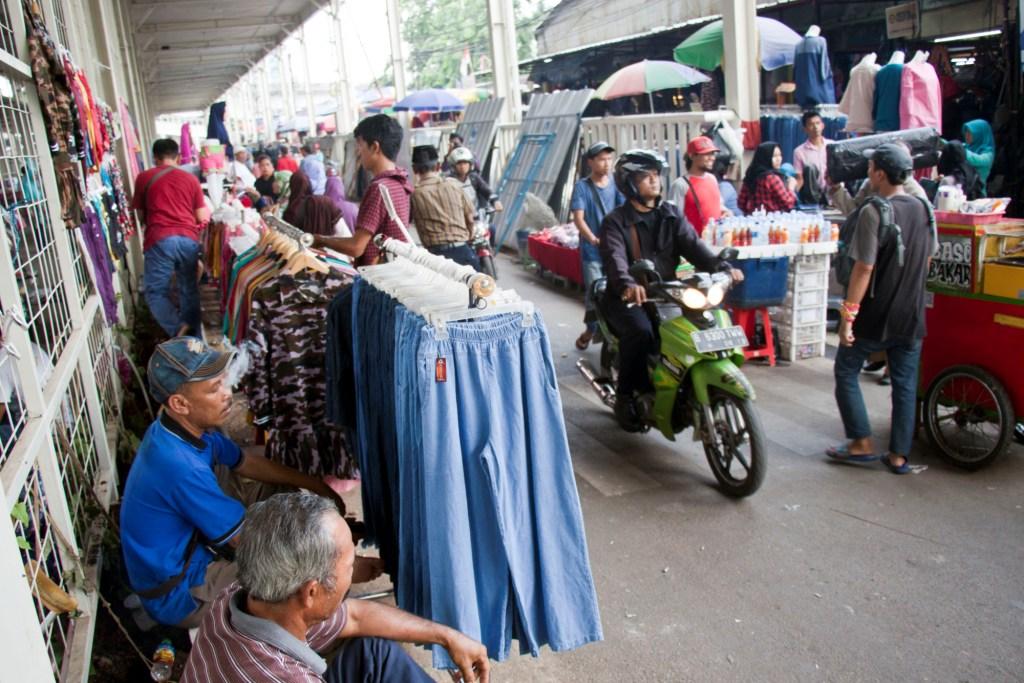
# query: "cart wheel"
[968,416]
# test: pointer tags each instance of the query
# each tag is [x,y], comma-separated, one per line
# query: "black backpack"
[887,230]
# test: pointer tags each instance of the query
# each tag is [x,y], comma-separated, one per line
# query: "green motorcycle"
[696,374]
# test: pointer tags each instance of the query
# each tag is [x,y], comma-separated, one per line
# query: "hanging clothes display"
[217,130]
[102,267]
[812,72]
[782,125]
[131,137]
[859,98]
[888,83]
[920,96]
[187,146]
[467,481]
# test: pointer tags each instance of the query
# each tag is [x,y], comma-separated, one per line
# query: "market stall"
[972,377]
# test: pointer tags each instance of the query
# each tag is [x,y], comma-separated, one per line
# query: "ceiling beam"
[227,43]
[273,21]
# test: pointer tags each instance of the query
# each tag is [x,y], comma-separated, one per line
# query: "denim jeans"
[592,271]
[463,254]
[467,480]
[903,357]
[178,257]
[373,660]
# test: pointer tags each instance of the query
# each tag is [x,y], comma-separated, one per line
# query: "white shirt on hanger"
[859,98]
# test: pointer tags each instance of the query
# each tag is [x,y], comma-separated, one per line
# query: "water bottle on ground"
[163,661]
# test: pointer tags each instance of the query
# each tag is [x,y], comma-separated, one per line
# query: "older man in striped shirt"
[289,608]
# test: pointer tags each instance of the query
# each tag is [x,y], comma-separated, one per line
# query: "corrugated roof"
[191,51]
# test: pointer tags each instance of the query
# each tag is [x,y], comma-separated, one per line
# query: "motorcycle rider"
[477,190]
[643,228]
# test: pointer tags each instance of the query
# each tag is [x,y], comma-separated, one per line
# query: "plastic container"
[799,316]
[814,280]
[811,263]
[807,298]
[163,661]
[802,334]
[792,352]
[956,218]
[764,283]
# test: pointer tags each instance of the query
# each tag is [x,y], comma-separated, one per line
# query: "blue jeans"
[373,660]
[592,271]
[179,257]
[463,254]
[903,358]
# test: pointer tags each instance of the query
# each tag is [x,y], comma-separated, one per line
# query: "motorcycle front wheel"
[737,455]
[487,266]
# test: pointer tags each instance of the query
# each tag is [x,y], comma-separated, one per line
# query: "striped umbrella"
[646,77]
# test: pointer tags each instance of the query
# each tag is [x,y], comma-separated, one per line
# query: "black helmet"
[632,162]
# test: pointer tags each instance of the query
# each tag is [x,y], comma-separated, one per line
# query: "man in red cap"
[697,193]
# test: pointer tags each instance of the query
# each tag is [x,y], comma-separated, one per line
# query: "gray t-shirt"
[864,247]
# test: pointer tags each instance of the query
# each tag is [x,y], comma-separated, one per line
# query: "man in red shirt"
[378,139]
[285,161]
[696,193]
[170,202]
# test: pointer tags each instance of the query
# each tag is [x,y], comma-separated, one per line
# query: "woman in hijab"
[308,212]
[955,170]
[764,186]
[335,189]
[981,148]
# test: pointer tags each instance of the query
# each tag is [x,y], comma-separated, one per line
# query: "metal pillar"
[268,110]
[344,116]
[739,62]
[286,80]
[310,109]
[397,53]
[505,58]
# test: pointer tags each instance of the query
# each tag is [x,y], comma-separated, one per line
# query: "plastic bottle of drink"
[835,233]
[803,236]
[163,661]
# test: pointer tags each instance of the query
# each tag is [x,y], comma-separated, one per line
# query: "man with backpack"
[885,250]
[170,202]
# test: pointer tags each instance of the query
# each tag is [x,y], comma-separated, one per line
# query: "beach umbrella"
[647,76]
[382,104]
[432,99]
[704,48]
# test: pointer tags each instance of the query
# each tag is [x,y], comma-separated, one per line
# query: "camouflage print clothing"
[287,382]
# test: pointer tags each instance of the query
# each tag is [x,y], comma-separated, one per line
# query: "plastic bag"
[846,160]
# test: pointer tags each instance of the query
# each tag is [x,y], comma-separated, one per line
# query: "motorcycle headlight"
[716,294]
[694,298]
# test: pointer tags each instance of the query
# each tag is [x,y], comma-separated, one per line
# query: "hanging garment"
[287,381]
[216,129]
[467,480]
[888,85]
[187,148]
[813,73]
[102,267]
[859,99]
[920,97]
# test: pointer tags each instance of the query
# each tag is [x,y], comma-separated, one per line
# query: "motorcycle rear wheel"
[738,462]
[487,266]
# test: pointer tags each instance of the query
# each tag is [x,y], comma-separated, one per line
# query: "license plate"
[719,339]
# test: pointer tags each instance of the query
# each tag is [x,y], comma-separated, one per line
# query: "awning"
[192,51]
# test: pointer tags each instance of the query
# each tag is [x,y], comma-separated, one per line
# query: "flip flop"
[905,468]
[843,454]
[582,343]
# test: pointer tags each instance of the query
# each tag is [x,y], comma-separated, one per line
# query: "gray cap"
[182,360]
[597,148]
[892,158]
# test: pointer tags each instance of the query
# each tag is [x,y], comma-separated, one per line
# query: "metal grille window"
[76,455]
[82,277]
[37,539]
[13,400]
[28,224]
[103,365]
[60,22]
[7,43]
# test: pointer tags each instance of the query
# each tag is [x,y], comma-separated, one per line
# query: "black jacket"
[485,196]
[663,239]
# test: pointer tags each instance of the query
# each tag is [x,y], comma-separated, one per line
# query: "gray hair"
[285,543]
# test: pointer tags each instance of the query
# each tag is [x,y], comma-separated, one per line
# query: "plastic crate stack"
[800,320]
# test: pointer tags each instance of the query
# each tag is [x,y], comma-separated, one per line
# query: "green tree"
[438,31]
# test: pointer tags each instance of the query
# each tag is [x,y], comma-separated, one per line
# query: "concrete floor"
[828,573]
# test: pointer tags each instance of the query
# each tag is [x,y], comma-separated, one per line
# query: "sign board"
[953,267]
[901,20]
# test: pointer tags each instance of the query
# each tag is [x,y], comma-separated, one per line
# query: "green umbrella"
[777,44]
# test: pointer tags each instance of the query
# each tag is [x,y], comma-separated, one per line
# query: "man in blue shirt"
[178,527]
[593,198]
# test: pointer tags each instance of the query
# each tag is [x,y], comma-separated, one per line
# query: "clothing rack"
[479,284]
[302,238]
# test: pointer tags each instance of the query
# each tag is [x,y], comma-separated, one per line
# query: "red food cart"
[972,362]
